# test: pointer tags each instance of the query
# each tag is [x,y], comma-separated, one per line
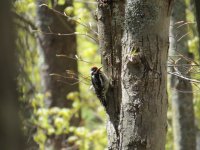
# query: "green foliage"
[193,44]
[25,7]
[194,48]
[91,111]
[56,121]
[91,133]
[69,10]
[169,138]
[61,2]
[28,78]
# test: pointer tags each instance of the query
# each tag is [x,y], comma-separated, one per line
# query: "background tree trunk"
[10,134]
[50,45]
[134,56]
[181,90]
[197,6]
[51,22]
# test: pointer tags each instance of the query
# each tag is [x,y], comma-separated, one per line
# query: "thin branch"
[70,18]
[179,22]
[184,91]
[185,23]
[185,78]
[74,78]
[61,76]
[66,34]
[186,58]
[181,65]
[88,2]
[183,36]
[76,58]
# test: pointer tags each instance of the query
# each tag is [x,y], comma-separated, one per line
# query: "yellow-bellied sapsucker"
[100,84]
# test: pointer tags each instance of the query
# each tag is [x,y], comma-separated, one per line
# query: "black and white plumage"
[100,84]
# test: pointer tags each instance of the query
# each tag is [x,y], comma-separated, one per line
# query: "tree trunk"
[133,39]
[10,134]
[50,45]
[110,28]
[182,97]
[197,6]
[198,140]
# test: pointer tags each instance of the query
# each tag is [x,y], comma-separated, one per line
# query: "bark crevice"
[139,37]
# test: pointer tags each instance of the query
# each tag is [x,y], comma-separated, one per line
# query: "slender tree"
[10,133]
[51,23]
[181,90]
[197,6]
[133,39]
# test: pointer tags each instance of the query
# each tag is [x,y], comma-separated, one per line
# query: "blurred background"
[50,45]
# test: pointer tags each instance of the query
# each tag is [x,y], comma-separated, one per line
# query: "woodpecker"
[100,84]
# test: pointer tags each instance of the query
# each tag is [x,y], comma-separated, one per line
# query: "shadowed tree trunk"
[182,97]
[197,6]
[50,44]
[133,39]
[10,134]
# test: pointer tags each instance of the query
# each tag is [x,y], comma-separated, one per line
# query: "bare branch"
[185,23]
[185,78]
[87,2]
[66,34]
[183,36]
[76,58]
[68,17]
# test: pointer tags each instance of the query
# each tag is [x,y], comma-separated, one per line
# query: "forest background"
[69,29]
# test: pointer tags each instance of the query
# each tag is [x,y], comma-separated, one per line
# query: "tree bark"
[10,133]
[133,39]
[50,45]
[110,28]
[181,90]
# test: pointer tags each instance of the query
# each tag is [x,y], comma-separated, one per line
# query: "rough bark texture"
[51,44]
[110,25]
[10,135]
[181,90]
[144,95]
[133,39]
